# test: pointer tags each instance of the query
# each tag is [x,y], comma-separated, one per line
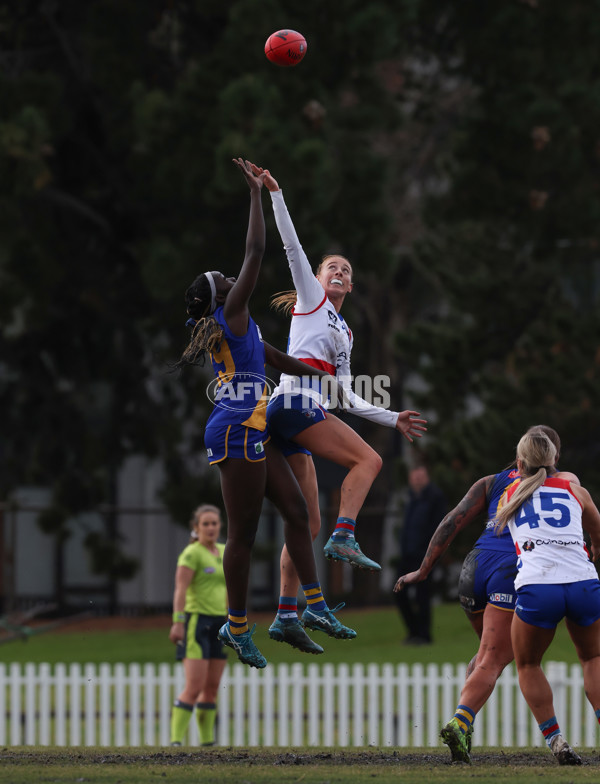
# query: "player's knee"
[315,527]
[297,511]
[374,462]
[243,537]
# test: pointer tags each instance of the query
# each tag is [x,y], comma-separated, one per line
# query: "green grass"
[94,766]
[379,640]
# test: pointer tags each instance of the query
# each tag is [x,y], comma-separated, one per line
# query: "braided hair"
[207,333]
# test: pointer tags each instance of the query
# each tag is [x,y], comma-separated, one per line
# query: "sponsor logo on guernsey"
[209,570]
[501,597]
[333,321]
[259,448]
[240,392]
[209,452]
[531,545]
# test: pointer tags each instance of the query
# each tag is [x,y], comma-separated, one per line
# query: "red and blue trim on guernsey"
[564,484]
[314,310]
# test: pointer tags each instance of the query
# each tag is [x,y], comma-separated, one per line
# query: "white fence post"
[328,692]
[44,681]
[299,705]
[60,704]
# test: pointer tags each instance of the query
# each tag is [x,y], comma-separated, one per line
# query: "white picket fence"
[298,705]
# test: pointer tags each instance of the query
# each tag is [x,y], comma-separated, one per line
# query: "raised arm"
[235,309]
[471,507]
[309,290]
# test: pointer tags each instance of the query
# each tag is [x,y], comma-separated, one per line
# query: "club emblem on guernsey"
[528,546]
[259,448]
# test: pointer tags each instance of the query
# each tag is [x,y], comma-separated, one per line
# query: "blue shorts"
[488,577]
[288,415]
[201,641]
[547,605]
[246,443]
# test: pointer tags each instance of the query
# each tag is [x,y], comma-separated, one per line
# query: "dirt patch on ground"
[300,758]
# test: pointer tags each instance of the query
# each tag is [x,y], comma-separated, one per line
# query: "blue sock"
[344,528]
[287,612]
[465,717]
[314,596]
[598,715]
[549,729]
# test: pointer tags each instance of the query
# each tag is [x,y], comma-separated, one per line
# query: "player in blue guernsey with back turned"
[486,592]
[251,467]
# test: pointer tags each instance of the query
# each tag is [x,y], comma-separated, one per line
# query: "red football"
[285,47]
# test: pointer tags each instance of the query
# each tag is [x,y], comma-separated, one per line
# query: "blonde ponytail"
[537,455]
[284,302]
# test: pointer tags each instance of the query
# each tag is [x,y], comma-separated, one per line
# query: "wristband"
[179,617]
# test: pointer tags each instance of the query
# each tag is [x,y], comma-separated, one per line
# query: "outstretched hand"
[409,426]
[408,579]
[255,180]
[270,181]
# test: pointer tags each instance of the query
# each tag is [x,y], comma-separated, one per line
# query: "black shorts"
[201,641]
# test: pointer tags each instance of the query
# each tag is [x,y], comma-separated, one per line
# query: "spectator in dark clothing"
[425,509]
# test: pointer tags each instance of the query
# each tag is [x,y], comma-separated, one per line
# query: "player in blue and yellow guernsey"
[487,594]
[199,611]
[251,467]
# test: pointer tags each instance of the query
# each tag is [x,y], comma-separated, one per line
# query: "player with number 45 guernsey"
[556,579]
[548,536]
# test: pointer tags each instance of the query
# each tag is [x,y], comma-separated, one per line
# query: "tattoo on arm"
[471,507]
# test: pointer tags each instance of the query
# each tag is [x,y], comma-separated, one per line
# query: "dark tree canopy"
[450,150]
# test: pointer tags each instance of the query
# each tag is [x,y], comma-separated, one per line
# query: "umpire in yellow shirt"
[199,611]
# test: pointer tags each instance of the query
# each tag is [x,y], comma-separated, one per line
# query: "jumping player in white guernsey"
[556,579]
[296,418]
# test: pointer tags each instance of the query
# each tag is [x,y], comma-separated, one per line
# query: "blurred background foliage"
[450,149]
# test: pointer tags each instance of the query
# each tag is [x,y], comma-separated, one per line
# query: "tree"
[119,124]
[508,337]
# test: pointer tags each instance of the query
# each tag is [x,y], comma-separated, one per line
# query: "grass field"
[379,640]
[228,766]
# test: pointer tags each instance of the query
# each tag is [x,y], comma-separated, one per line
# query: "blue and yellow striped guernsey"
[239,365]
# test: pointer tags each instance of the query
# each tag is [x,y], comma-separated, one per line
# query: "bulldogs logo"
[528,546]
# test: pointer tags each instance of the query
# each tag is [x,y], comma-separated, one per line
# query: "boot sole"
[344,559]
[329,633]
[278,637]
